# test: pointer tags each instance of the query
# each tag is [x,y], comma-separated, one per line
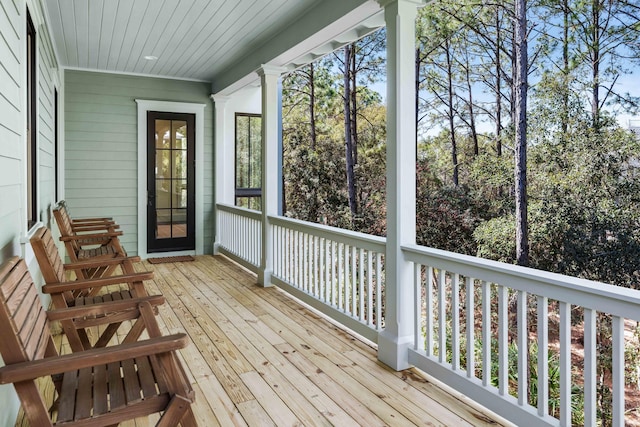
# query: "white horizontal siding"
[101,144]
[13,142]
[11,124]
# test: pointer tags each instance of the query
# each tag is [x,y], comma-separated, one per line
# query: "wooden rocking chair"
[83,293]
[97,387]
[89,239]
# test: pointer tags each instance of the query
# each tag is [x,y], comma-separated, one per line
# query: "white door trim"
[169,107]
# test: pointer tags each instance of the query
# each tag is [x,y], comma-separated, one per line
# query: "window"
[249,161]
[32,194]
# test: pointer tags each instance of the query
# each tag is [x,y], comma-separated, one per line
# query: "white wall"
[13,202]
[246,100]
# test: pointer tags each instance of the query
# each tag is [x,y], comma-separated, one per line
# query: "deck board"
[258,357]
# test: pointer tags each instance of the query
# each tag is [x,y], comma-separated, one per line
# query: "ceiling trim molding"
[124,73]
[306,34]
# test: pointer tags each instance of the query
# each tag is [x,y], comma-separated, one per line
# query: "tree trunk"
[348,142]
[451,116]
[312,107]
[417,88]
[520,88]
[354,111]
[565,70]
[498,85]
[472,118]
[595,63]
[313,211]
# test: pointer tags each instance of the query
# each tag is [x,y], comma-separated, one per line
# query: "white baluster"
[565,364]
[442,317]
[523,349]
[418,342]
[486,334]
[503,349]
[361,280]
[334,261]
[455,322]
[471,341]
[378,291]
[429,304]
[305,262]
[617,375]
[354,281]
[370,290]
[590,353]
[543,356]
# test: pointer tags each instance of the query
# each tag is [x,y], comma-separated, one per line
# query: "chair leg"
[188,419]
[174,412]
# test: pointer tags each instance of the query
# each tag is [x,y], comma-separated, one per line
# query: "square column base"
[264,278]
[393,351]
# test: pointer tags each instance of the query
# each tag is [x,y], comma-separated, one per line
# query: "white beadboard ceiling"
[192,39]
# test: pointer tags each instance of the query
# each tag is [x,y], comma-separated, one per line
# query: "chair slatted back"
[64,225]
[46,251]
[24,329]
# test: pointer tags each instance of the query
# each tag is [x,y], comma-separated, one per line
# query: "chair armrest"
[94,226]
[100,263]
[90,236]
[103,308]
[31,370]
[106,220]
[56,288]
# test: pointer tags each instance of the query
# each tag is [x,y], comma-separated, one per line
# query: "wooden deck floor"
[259,358]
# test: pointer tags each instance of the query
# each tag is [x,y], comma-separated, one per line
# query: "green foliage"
[496,239]
[314,154]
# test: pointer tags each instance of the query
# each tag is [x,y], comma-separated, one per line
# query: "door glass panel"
[179,221]
[163,133]
[163,195]
[163,164]
[164,216]
[179,135]
[179,198]
[179,164]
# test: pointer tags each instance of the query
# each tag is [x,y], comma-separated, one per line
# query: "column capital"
[270,70]
[219,98]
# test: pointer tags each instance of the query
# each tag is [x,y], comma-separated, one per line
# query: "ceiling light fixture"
[150,58]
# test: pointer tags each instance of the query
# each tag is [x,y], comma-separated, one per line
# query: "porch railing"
[527,344]
[339,272]
[513,337]
[240,235]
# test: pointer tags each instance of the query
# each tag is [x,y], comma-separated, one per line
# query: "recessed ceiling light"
[150,58]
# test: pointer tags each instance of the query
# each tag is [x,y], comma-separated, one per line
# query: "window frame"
[31,124]
[56,142]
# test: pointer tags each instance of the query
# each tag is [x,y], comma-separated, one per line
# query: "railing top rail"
[600,296]
[361,240]
[249,213]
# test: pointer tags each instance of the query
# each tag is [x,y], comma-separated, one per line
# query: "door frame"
[144,106]
[172,243]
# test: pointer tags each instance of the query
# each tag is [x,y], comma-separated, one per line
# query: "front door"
[170,182]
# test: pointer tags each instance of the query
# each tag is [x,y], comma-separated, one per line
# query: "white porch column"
[224,163]
[269,77]
[397,336]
